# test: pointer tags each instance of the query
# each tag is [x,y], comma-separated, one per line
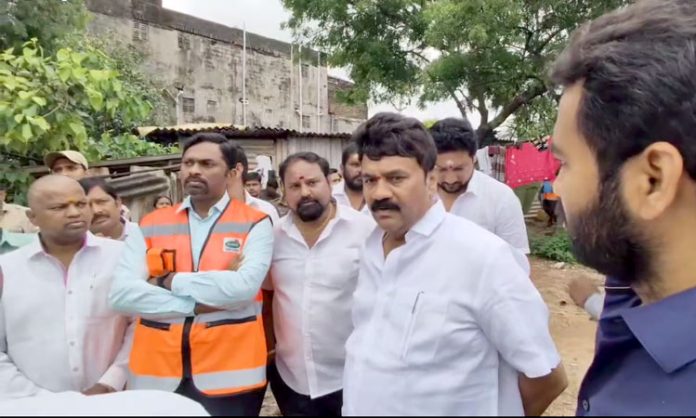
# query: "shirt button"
[586,405]
[72,343]
[75,369]
[70,292]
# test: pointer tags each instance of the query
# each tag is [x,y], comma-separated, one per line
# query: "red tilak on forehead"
[302,177]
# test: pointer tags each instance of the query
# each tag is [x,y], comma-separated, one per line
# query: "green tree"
[489,56]
[73,100]
[49,21]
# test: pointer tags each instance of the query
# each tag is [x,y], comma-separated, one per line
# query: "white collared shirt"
[495,207]
[129,228]
[444,325]
[339,193]
[57,331]
[135,403]
[263,206]
[313,300]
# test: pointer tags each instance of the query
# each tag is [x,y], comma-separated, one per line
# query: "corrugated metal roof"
[171,135]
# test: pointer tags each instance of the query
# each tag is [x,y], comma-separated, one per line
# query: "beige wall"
[210,73]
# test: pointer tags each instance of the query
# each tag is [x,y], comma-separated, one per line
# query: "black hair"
[350,150]
[309,157]
[252,176]
[160,197]
[232,152]
[333,171]
[454,134]
[393,135]
[90,183]
[272,183]
[637,67]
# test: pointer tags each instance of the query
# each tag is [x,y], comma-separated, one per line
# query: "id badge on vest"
[232,245]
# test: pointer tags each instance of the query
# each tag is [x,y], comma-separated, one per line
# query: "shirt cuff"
[594,305]
[115,377]
[543,366]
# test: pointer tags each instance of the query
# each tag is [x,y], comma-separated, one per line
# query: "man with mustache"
[74,165]
[625,136]
[446,321]
[350,191]
[200,332]
[106,210]
[471,194]
[313,276]
[57,330]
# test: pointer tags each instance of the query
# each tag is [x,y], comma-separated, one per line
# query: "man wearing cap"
[67,163]
[13,218]
[74,165]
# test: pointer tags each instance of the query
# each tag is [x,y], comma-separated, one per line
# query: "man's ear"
[651,180]
[431,184]
[31,215]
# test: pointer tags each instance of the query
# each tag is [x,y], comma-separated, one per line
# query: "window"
[306,122]
[140,31]
[184,42]
[189,105]
[212,107]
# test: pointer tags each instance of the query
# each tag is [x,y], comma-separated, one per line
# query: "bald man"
[57,332]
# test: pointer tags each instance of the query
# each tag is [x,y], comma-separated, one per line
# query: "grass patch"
[556,247]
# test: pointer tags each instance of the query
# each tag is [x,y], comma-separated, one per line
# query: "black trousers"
[549,207]
[242,405]
[293,404]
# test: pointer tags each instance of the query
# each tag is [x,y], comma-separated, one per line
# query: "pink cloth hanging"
[526,165]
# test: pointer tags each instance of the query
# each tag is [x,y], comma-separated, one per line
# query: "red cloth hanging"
[526,164]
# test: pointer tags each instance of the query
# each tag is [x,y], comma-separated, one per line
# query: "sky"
[264,17]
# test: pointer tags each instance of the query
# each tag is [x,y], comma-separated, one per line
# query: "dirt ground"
[571,327]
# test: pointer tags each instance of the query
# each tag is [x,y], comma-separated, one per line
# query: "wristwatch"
[161,279]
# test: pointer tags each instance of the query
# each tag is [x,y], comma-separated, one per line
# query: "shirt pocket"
[98,293]
[338,272]
[425,326]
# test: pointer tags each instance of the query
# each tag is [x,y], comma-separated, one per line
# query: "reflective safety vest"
[224,353]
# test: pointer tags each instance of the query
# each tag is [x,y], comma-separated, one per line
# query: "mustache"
[384,204]
[306,200]
[196,179]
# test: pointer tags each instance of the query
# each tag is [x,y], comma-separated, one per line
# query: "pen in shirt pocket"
[415,303]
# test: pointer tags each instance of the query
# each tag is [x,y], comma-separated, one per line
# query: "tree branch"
[520,100]
[482,108]
[546,41]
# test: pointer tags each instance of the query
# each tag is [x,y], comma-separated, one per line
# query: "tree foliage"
[49,21]
[62,88]
[73,100]
[489,56]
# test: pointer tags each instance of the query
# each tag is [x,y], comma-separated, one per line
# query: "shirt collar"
[474,186]
[428,223]
[665,329]
[35,248]
[249,199]
[339,189]
[15,239]
[219,206]
[288,222]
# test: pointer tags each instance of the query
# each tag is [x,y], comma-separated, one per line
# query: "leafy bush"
[556,247]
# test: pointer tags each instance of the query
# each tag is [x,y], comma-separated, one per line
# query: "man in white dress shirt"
[471,194]
[446,321]
[236,188]
[349,191]
[313,275]
[107,219]
[57,332]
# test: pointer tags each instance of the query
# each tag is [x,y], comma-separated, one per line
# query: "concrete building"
[202,65]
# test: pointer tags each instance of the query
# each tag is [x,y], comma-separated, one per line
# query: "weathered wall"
[204,61]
